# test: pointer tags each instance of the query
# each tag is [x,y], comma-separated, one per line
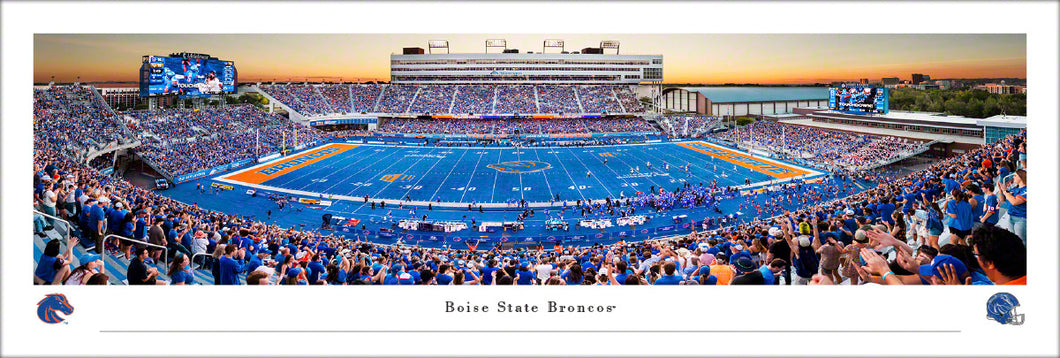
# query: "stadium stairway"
[537,100]
[452,102]
[578,100]
[378,99]
[620,105]
[413,101]
[331,109]
[493,105]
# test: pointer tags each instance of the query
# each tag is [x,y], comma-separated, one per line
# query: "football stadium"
[509,168]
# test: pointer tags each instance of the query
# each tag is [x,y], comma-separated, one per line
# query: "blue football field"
[449,179]
[498,174]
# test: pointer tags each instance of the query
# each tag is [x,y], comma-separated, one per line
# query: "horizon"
[706,59]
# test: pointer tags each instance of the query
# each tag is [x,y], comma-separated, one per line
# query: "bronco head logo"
[51,303]
[523,166]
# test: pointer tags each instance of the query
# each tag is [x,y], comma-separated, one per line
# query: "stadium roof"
[889,132]
[759,94]
[1004,121]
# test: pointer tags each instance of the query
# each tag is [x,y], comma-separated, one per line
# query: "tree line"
[967,103]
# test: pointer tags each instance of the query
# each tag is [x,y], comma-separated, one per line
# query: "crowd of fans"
[338,97]
[878,236]
[74,118]
[515,126]
[183,141]
[454,99]
[365,97]
[311,99]
[824,147]
[433,99]
[557,99]
[397,98]
[515,99]
[473,99]
[962,220]
[598,99]
[628,99]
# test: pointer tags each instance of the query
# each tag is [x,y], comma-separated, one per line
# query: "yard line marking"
[471,177]
[402,173]
[551,195]
[424,175]
[369,166]
[574,183]
[440,185]
[597,177]
[323,167]
[493,189]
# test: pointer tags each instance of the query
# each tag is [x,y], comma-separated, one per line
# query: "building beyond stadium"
[496,68]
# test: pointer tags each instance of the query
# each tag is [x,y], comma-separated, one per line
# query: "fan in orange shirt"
[721,269]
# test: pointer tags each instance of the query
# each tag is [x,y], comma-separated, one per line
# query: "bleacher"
[326,99]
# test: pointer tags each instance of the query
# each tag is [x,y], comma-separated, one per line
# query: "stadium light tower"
[554,43]
[496,43]
[433,44]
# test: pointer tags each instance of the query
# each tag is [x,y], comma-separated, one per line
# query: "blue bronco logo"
[524,166]
[51,303]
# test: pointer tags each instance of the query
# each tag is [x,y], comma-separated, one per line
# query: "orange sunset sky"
[688,58]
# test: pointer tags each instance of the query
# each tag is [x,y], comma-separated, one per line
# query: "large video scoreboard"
[858,99]
[186,75]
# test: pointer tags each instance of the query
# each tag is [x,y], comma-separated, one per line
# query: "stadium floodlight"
[553,43]
[610,44]
[433,44]
[496,43]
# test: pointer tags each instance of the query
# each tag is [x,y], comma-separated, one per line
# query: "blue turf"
[462,174]
[450,173]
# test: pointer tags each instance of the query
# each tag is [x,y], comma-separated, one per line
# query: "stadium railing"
[165,256]
[203,264]
[69,227]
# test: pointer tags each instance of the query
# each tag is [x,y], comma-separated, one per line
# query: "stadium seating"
[515,126]
[337,97]
[557,99]
[69,117]
[473,99]
[315,100]
[433,100]
[823,147]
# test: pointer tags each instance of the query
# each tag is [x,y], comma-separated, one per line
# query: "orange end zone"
[263,173]
[774,169]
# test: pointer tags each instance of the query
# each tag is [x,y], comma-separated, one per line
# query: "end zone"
[769,167]
[264,172]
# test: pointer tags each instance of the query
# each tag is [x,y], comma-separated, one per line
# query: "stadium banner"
[207,172]
[328,122]
[107,171]
[386,235]
[574,238]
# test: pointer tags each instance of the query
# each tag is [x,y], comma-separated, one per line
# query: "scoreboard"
[858,99]
[186,76]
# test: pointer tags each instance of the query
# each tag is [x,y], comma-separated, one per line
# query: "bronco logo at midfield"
[523,166]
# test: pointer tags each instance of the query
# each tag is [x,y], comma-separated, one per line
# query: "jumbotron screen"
[189,77]
[858,99]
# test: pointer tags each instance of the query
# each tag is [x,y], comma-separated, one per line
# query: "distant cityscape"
[917,81]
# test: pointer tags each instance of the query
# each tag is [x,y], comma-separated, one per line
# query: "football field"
[499,175]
